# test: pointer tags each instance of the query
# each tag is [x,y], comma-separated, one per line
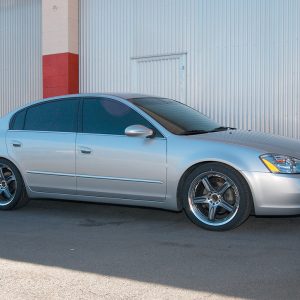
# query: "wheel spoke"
[200,200]
[207,184]
[224,188]
[6,193]
[226,205]
[11,179]
[212,212]
[1,174]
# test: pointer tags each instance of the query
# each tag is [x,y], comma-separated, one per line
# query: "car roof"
[124,96]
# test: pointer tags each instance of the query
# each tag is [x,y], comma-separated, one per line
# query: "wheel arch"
[16,166]
[188,171]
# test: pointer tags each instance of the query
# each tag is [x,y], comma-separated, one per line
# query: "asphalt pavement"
[68,250]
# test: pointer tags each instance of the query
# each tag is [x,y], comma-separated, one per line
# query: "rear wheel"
[12,189]
[216,197]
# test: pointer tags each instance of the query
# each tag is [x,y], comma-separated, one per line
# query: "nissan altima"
[140,150]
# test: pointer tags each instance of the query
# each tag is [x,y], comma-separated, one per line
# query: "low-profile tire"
[216,197]
[12,188]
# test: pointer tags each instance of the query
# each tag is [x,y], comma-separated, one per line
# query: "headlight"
[282,164]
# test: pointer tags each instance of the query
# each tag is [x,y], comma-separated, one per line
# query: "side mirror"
[139,130]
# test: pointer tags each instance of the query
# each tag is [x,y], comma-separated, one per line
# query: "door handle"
[16,144]
[85,150]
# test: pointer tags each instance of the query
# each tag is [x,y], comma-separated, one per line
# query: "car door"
[41,141]
[111,164]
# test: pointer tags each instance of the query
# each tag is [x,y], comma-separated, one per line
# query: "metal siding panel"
[242,60]
[160,75]
[20,53]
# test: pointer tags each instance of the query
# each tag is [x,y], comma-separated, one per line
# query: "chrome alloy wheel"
[213,198]
[8,185]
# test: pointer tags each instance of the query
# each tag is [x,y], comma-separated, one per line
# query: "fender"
[203,151]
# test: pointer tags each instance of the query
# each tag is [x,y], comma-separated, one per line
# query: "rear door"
[41,141]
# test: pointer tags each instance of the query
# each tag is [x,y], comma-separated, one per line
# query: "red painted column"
[60,48]
[60,74]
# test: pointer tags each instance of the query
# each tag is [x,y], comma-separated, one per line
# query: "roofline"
[125,96]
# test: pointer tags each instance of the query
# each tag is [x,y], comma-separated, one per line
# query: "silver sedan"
[141,150]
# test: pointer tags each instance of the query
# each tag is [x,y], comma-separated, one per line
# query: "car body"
[135,168]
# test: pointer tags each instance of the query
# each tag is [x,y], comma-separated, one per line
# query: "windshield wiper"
[199,131]
[190,132]
[222,128]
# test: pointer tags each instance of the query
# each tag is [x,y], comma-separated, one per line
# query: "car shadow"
[155,246]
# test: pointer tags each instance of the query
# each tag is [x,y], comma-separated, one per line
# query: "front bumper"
[274,194]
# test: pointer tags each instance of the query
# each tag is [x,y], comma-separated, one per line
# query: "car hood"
[266,143]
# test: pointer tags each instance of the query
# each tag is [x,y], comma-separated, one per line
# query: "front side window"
[60,115]
[106,116]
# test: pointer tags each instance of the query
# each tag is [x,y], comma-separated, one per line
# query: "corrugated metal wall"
[20,53]
[160,75]
[243,56]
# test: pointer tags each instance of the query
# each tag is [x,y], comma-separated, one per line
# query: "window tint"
[105,116]
[175,116]
[58,115]
[18,122]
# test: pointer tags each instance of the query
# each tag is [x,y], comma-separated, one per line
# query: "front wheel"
[216,197]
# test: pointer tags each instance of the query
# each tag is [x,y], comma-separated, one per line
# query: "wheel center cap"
[215,197]
[3,184]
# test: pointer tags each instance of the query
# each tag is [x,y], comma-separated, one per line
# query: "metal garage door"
[163,76]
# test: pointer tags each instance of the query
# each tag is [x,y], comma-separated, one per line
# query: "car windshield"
[176,117]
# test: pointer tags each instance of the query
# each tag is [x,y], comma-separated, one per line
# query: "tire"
[216,197]
[12,188]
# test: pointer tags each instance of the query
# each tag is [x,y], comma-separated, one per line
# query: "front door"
[111,164]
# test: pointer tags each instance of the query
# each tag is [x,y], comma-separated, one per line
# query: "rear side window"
[18,121]
[58,115]
[105,116]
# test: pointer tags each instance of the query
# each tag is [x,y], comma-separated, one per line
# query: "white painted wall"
[60,26]
[242,56]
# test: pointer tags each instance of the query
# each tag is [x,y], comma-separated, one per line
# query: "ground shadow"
[156,246]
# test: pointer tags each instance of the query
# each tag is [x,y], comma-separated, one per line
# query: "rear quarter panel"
[3,129]
[4,126]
